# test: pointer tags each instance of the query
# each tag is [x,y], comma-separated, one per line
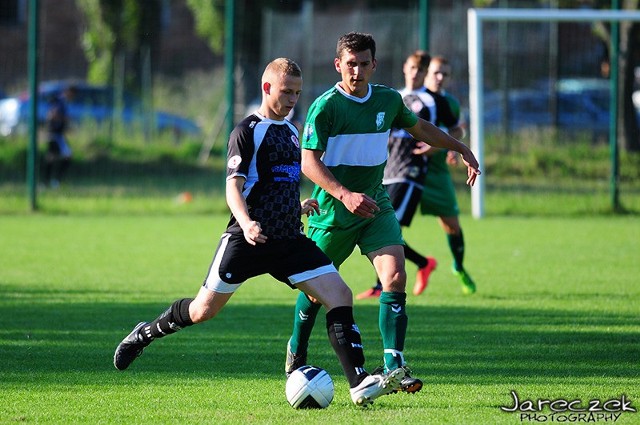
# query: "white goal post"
[476,17]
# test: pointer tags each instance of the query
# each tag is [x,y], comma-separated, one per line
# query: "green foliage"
[209,18]
[113,28]
[198,95]
[98,39]
[548,156]
[126,173]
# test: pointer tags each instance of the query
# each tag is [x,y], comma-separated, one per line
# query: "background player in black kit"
[264,236]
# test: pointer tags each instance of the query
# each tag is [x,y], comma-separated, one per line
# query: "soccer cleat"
[129,349]
[369,293]
[422,278]
[374,386]
[408,383]
[468,286]
[294,361]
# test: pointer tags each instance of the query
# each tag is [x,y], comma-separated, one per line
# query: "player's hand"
[310,207]
[452,158]
[360,204]
[473,170]
[253,233]
[421,148]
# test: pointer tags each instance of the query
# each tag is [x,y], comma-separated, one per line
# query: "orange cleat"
[422,278]
[369,293]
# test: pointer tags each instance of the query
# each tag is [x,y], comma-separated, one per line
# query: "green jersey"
[353,133]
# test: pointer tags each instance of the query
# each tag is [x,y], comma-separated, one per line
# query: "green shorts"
[369,234]
[439,196]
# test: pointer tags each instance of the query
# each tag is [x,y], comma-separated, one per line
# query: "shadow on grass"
[39,340]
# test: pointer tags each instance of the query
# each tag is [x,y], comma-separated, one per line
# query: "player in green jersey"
[344,154]
[405,171]
[439,195]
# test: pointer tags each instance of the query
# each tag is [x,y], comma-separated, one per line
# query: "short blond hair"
[282,66]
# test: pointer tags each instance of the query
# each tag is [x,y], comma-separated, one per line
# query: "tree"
[120,31]
[209,18]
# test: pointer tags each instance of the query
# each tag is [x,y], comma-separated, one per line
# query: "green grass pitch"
[556,316]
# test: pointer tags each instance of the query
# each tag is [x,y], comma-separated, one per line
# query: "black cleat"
[130,348]
[294,361]
[408,384]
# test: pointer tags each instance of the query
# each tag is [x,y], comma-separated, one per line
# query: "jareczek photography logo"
[569,410]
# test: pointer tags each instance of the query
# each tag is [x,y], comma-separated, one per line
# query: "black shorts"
[405,198]
[291,261]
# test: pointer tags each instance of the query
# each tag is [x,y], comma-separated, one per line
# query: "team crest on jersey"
[295,141]
[234,161]
[308,131]
[379,120]
[416,105]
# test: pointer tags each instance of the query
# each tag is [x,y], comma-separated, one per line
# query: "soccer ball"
[309,387]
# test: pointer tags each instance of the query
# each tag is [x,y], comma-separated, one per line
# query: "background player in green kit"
[439,194]
[344,153]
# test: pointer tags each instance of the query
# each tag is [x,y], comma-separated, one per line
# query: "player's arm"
[238,206]
[456,132]
[359,204]
[424,130]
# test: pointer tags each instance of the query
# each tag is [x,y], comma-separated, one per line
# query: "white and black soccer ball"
[309,387]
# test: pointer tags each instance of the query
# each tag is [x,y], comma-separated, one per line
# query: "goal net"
[512,96]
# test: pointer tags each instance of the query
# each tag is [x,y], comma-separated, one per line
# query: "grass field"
[556,316]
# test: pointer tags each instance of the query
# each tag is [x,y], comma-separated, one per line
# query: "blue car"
[587,111]
[582,105]
[90,103]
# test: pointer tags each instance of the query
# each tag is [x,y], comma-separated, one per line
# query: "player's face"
[356,69]
[437,76]
[282,96]
[414,75]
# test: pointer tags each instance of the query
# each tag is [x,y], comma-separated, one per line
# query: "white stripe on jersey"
[356,149]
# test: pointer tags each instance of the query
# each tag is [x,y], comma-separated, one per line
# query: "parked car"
[582,105]
[90,103]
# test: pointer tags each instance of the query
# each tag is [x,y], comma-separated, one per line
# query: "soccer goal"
[476,19]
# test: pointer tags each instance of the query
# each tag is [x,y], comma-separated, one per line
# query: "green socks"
[456,246]
[393,327]
[303,321]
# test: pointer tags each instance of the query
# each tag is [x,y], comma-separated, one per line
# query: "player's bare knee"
[397,282]
[200,312]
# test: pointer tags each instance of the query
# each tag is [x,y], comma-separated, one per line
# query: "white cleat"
[374,386]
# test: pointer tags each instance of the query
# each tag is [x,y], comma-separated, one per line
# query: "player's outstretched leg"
[172,320]
[130,348]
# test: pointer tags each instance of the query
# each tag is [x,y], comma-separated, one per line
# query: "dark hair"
[422,57]
[356,42]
